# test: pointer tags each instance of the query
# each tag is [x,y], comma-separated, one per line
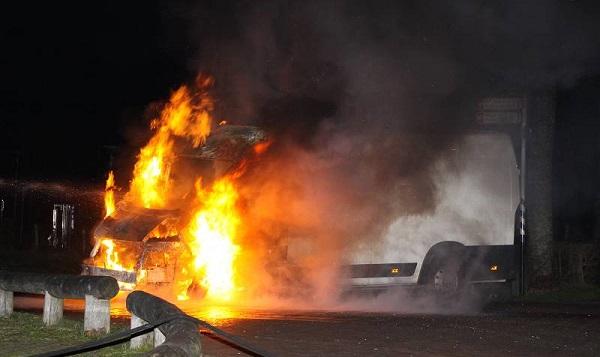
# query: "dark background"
[77,79]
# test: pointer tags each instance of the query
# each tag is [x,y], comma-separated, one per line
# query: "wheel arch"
[439,252]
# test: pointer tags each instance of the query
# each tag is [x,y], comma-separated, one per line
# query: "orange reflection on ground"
[216,313]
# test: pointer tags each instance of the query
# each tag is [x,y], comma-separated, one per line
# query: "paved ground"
[500,330]
[508,330]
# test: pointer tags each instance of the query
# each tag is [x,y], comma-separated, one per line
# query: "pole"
[522,184]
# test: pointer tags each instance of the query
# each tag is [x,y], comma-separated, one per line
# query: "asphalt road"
[499,330]
[505,330]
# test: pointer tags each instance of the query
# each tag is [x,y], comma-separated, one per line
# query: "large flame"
[109,195]
[151,173]
[210,236]
[185,115]
[210,228]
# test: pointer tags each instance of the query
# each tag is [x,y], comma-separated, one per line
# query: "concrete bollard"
[96,317]
[6,303]
[181,335]
[53,309]
[143,340]
[159,337]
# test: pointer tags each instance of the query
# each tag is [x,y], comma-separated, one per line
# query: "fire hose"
[126,335]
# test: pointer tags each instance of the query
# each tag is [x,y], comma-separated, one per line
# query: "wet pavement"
[499,330]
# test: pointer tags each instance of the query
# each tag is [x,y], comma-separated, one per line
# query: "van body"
[470,234]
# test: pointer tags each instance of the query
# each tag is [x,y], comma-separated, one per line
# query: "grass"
[565,294]
[24,334]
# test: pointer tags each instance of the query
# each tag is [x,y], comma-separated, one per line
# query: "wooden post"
[143,340]
[159,337]
[96,317]
[6,303]
[53,309]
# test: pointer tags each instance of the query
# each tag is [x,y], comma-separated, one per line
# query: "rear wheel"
[446,287]
[444,276]
[447,278]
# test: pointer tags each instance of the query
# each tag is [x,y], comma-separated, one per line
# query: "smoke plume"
[362,99]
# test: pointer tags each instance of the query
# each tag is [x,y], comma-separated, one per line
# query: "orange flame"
[210,236]
[151,172]
[109,194]
[212,232]
[185,115]
[111,256]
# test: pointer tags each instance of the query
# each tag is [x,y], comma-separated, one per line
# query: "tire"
[446,286]
[447,278]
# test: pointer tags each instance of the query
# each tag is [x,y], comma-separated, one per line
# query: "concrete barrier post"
[96,317]
[181,336]
[6,303]
[143,340]
[159,337]
[53,309]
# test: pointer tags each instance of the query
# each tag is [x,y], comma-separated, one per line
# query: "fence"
[96,290]
[154,321]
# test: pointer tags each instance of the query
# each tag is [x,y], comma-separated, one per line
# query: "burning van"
[140,244]
[181,222]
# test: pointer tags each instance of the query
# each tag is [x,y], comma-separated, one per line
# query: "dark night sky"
[75,77]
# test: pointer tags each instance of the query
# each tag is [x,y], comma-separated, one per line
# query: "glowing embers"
[261,147]
[210,237]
